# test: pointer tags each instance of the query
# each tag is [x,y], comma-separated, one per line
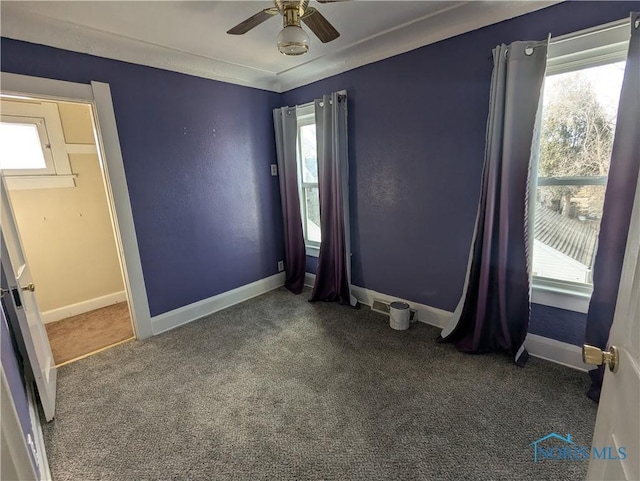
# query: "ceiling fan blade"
[332,1]
[319,25]
[254,21]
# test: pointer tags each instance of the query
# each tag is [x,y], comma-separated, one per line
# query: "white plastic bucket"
[399,314]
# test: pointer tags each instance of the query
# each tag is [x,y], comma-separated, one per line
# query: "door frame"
[98,94]
[16,459]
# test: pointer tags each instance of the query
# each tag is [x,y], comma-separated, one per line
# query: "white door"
[22,297]
[618,421]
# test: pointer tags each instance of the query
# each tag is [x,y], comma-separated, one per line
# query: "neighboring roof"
[574,238]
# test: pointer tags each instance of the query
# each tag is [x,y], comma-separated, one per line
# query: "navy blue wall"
[558,324]
[196,155]
[416,142]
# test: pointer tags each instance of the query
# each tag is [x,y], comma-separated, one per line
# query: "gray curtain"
[333,276]
[493,313]
[618,204]
[286,129]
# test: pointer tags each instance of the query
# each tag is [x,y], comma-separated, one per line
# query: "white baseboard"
[81,307]
[183,315]
[538,346]
[555,351]
[309,279]
[427,314]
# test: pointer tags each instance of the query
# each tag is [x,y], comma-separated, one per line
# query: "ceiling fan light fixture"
[292,40]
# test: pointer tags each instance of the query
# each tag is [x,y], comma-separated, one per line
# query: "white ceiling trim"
[450,21]
[446,23]
[36,28]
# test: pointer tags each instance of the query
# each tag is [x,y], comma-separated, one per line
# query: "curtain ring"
[528,50]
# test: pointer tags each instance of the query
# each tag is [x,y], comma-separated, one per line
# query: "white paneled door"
[618,421]
[22,297]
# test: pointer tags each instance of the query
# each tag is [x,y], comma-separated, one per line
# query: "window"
[24,146]
[33,151]
[308,178]
[579,109]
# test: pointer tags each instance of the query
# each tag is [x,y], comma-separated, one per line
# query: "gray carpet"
[277,388]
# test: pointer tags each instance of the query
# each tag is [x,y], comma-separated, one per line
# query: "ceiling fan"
[292,39]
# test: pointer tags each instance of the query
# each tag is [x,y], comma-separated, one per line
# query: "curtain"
[333,275]
[618,203]
[286,129]
[493,313]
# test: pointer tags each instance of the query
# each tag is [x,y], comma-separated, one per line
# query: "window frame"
[45,145]
[47,117]
[593,47]
[305,115]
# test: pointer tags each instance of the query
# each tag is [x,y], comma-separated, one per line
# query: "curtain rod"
[588,31]
[585,32]
[341,96]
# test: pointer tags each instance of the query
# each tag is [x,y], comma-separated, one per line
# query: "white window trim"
[600,45]
[43,138]
[591,47]
[562,295]
[58,172]
[306,116]
[52,181]
[312,251]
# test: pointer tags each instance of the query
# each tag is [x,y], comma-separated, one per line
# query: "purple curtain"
[618,204]
[286,129]
[493,313]
[333,276]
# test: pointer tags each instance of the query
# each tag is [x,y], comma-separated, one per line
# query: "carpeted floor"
[277,388]
[80,335]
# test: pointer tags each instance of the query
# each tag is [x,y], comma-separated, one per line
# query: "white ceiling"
[191,37]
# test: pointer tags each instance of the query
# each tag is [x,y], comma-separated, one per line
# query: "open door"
[21,298]
[618,420]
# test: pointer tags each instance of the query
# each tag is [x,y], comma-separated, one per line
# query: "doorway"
[65,221]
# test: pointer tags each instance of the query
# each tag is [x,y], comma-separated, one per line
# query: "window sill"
[40,181]
[560,298]
[312,251]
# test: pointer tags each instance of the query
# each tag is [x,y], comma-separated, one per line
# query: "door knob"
[595,355]
[29,287]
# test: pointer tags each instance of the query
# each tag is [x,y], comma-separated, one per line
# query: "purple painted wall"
[416,144]
[197,156]
[14,380]
[559,324]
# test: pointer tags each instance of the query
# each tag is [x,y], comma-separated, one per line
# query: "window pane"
[566,232]
[576,138]
[309,154]
[20,147]
[312,218]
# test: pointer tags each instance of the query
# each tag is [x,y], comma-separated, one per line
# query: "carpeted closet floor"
[277,388]
[77,336]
